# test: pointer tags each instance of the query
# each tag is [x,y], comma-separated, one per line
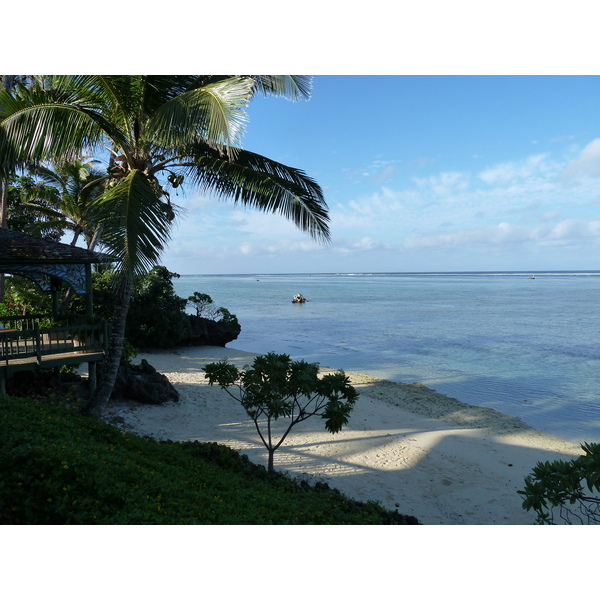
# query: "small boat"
[299,299]
[532,277]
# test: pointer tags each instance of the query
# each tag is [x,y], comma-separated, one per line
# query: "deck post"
[92,378]
[38,343]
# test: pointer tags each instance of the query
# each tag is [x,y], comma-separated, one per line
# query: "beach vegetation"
[156,317]
[58,467]
[565,492]
[275,387]
[156,131]
[22,296]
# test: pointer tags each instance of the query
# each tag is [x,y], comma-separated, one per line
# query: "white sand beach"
[407,446]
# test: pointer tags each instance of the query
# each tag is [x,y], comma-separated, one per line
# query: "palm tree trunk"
[110,366]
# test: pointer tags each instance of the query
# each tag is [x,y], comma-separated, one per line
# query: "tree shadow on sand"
[406,446]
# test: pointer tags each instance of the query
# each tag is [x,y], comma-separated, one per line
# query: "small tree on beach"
[275,387]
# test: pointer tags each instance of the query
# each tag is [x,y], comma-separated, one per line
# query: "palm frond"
[160,89]
[40,228]
[215,112]
[261,183]
[50,131]
[134,223]
[293,87]
[55,120]
[47,175]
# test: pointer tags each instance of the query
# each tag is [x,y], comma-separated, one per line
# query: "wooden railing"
[20,323]
[41,348]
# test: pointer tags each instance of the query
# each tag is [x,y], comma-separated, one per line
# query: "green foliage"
[226,317]
[67,188]
[276,387]
[6,310]
[156,316]
[572,487]
[28,201]
[129,352]
[22,296]
[57,467]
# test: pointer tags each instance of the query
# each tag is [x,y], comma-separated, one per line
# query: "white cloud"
[527,207]
[444,184]
[550,215]
[587,163]
[526,192]
[510,171]
[569,231]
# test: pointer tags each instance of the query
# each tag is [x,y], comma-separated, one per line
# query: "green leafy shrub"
[227,318]
[22,296]
[156,317]
[565,491]
[276,387]
[57,467]
[129,352]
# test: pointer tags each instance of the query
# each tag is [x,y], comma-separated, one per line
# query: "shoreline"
[407,446]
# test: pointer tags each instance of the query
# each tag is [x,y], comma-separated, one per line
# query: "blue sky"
[420,173]
[463,147]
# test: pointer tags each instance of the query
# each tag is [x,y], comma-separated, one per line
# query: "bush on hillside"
[57,467]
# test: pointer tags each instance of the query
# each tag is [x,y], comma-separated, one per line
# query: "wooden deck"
[44,348]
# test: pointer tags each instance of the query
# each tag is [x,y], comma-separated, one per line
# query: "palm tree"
[7,82]
[78,183]
[158,130]
[63,195]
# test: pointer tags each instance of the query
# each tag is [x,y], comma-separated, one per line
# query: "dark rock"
[143,383]
[207,332]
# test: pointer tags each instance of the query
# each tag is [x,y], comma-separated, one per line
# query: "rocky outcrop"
[207,332]
[143,383]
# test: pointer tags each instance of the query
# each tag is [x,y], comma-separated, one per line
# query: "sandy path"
[407,446]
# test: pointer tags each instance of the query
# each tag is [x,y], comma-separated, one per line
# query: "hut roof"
[21,248]
[42,260]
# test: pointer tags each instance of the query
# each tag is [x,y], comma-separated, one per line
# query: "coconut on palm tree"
[159,131]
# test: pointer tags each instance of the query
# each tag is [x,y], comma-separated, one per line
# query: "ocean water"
[526,347]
